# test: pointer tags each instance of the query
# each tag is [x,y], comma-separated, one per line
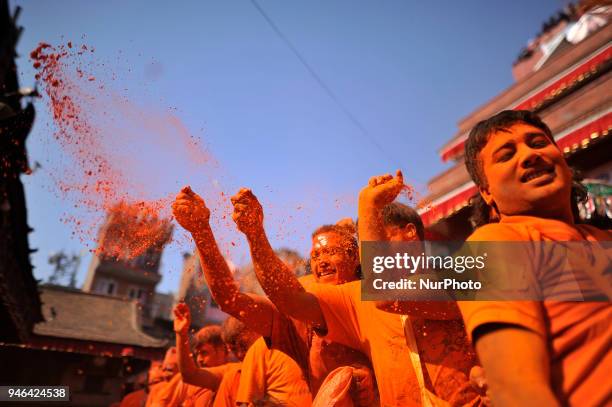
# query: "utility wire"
[322,84]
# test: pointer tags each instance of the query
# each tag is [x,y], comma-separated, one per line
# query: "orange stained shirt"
[155,392]
[177,393]
[315,355]
[445,353]
[578,334]
[134,399]
[271,375]
[228,388]
[378,334]
[446,358]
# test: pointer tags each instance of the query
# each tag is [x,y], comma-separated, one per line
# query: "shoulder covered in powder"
[494,232]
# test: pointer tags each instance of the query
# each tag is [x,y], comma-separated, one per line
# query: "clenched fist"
[182,318]
[189,210]
[248,213]
[382,190]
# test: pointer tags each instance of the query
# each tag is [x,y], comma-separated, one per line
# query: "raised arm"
[279,283]
[254,311]
[516,363]
[380,191]
[191,373]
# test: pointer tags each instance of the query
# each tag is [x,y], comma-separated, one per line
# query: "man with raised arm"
[210,351]
[286,337]
[428,325]
[207,377]
[543,353]
[334,311]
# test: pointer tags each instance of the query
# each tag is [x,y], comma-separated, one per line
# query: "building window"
[106,286]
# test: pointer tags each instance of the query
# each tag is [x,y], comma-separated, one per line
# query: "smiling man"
[334,261]
[536,352]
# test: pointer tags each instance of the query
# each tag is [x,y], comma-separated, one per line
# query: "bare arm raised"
[380,191]
[255,311]
[191,373]
[279,283]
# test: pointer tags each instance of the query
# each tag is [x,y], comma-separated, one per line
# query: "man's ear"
[409,232]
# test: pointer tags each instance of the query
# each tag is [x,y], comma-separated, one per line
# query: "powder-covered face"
[332,260]
[526,173]
[208,355]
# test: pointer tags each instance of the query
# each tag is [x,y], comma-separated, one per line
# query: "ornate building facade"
[568,85]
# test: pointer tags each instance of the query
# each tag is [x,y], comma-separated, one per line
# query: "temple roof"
[74,314]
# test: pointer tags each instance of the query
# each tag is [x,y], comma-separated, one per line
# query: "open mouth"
[537,173]
[324,272]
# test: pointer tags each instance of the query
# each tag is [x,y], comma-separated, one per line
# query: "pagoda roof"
[74,314]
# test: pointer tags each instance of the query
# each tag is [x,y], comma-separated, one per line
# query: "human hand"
[382,190]
[248,213]
[189,210]
[182,318]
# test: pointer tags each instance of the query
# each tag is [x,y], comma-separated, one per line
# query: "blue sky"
[408,71]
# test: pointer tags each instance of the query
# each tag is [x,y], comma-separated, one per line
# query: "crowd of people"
[312,340]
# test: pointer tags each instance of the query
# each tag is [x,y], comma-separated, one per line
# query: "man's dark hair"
[478,138]
[209,334]
[398,214]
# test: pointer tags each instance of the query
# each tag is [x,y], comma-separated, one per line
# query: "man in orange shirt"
[210,351]
[209,377]
[338,313]
[315,357]
[536,352]
[442,366]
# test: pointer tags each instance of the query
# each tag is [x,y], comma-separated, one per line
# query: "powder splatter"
[115,152]
[407,192]
[133,229]
[123,158]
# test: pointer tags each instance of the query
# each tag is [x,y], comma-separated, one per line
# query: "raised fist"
[382,190]
[189,210]
[248,213]
[182,318]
